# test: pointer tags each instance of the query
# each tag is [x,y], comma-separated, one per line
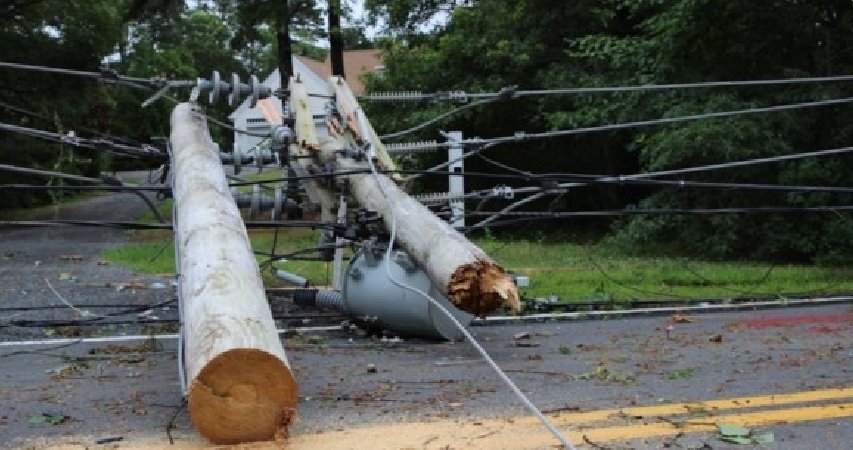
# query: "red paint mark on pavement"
[825,329]
[780,321]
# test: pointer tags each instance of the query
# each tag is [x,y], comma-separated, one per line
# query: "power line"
[436,119]
[432,301]
[523,136]
[660,173]
[511,92]
[104,75]
[48,173]
[709,185]
[96,144]
[127,225]
[36,187]
[47,119]
[161,85]
[532,216]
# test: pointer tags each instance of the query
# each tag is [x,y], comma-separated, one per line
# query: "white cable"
[527,403]
[82,312]
[509,208]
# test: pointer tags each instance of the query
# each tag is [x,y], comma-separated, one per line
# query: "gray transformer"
[368,293]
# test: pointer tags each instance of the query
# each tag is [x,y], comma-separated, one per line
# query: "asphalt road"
[607,383]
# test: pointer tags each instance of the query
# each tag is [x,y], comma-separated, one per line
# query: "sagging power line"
[510,92]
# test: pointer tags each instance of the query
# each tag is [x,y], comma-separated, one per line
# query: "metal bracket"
[337,267]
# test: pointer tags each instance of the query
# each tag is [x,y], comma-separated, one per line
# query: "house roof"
[356,64]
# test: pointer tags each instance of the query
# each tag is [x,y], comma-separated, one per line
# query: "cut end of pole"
[482,287]
[243,395]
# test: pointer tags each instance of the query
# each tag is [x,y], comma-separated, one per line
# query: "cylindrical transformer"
[368,293]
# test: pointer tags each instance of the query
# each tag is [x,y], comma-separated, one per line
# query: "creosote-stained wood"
[240,387]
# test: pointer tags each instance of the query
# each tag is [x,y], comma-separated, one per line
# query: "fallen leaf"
[729,429]
[764,438]
[678,318]
[48,418]
[741,440]
[522,335]
[66,276]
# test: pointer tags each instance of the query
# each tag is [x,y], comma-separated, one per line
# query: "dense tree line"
[489,44]
[486,45]
[142,38]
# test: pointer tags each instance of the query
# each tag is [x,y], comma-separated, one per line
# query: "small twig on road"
[171,424]
[595,445]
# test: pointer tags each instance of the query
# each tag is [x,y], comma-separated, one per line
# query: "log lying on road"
[240,386]
[464,273]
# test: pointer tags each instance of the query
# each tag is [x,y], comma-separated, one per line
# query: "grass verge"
[597,272]
[571,271]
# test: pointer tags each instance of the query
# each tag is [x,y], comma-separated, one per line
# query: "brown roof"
[356,64]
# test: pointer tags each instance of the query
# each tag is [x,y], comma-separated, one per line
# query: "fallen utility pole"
[463,272]
[240,386]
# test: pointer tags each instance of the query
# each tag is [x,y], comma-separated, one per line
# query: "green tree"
[76,34]
[697,40]
[538,44]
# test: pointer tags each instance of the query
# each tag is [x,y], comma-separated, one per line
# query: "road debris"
[49,419]
[678,318]
[522,335]
[737,434]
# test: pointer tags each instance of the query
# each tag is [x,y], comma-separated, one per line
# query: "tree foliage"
[172,39]
[490,44]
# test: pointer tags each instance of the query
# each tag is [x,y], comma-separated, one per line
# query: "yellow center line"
[750,419]
[708,405]
[526,433]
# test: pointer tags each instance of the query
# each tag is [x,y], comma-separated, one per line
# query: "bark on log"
[240,387]
[464,273]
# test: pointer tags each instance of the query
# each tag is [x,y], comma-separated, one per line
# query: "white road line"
[494,320]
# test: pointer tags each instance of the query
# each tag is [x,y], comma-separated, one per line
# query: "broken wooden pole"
[240,387]
[463,272]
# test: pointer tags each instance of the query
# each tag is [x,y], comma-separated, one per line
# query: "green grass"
[165,209]
[598,272]
[157,255]
[263,176]
[572,271]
